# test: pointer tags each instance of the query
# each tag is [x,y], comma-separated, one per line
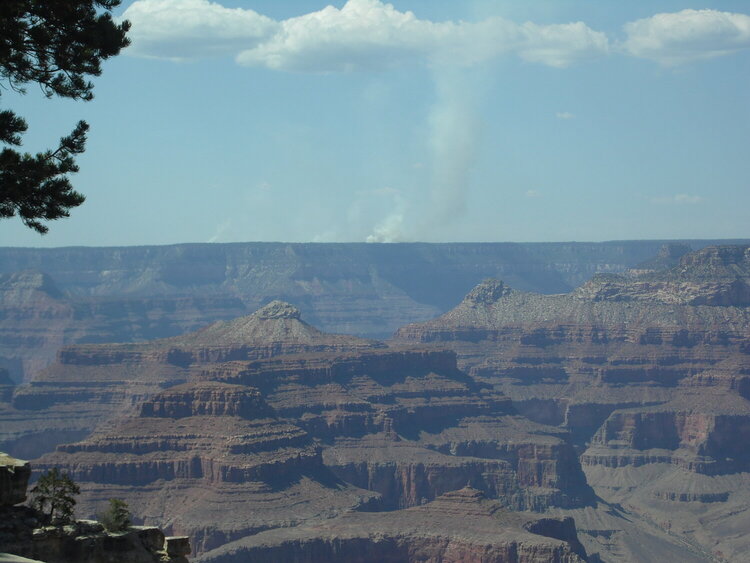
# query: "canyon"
[50,298]
[602,419]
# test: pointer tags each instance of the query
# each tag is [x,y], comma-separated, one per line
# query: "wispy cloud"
[677,199]
[533,193]
[564,115]
[689,35]
[222,230]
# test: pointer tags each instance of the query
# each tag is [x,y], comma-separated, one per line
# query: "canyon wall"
[50,298]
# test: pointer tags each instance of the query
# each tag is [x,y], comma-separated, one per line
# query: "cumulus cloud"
[188,29]
[362,35]
[368,34]
[689,35]
[678,199]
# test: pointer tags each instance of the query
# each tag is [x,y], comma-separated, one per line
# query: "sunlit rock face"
[265,422]
[648,370]
[261,435]
[51,298]
[91,383]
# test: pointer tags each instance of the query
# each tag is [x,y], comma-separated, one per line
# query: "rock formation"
[269,438]
[286,424]
[460,526]
[50,298]
[22,535]
[647,370]
[92,383]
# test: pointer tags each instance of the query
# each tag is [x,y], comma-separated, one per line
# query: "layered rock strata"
[460,526]
[648,371]
[50,298]
[93,383]
[297,427]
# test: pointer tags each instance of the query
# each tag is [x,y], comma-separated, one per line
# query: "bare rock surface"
[290,426]
[648,371]
[24,537]
[54,297]
[14,478]
[459,526]
[92,383]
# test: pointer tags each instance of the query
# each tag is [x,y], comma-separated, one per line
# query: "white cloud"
[678,199]
[372,34]
[564,115]
[563,44]
[187,29]
[363,34]
[368,34]
[689,35]
[533,193]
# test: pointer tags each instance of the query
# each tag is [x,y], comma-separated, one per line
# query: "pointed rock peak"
[278,310]
[488,292]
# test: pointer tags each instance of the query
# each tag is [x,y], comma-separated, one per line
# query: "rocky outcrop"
[14,478]
[460,526]
[648,372]
[22,534]
[86,541]
[95,382]
[713,276]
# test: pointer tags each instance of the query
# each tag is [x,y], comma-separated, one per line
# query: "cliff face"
[50,298]
[82,541]
[462,526]
[92,383]
[14,479]
[305,425]
[647,370]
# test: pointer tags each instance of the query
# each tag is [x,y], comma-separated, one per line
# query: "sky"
[416,120]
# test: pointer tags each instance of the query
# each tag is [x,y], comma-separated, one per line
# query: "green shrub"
[117,516]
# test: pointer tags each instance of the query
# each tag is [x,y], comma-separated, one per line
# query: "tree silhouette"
[56,45]
[53,496]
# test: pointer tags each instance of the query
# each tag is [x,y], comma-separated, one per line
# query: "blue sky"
[486,120]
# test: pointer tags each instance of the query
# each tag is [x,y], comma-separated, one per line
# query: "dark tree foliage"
[117,516]
[55,44]
[53,495]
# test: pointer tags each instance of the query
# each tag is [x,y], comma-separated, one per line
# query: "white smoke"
[454,138]
[391,228]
